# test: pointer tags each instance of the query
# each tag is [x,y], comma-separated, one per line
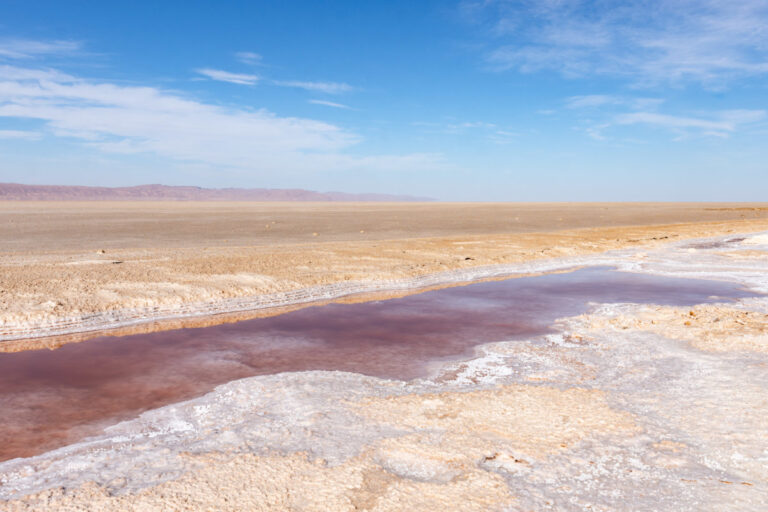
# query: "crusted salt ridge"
[703,259]
[672,259]
[135,316]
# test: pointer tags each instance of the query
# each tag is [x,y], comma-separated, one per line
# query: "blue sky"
[547,100]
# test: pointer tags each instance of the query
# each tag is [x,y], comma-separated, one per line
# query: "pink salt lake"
[52,398]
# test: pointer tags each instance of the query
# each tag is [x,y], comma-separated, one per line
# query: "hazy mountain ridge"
[21,192]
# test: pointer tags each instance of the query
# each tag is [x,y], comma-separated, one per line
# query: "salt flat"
[629,406]
[626,406]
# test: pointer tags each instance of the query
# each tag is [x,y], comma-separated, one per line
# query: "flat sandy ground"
[62,261]
[42,227]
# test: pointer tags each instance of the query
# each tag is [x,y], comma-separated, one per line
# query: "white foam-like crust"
[703,259]
[306,411]
[761,239]
[260,414]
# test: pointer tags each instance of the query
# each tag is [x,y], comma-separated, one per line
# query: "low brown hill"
[20,192]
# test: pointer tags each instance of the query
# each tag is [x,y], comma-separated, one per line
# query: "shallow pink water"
[52,398]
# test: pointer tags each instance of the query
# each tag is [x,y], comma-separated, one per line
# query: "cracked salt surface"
[700,441]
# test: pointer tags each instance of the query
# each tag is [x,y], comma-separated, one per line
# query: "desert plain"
[624,407]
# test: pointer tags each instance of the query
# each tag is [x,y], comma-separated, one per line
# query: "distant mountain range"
[19,192]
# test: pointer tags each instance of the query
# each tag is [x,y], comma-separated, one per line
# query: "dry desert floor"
[626,407]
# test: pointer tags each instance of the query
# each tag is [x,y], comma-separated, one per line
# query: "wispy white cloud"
[249,58]
[454,127]
[19,134]
[603,100]
[717,124]
[26,49]
[226,76]
[483,130]
[475,124]
[668,41]
[122,119]
[16,73]
[592,100]
[596,131]
[325,87]
[742,116]
[617,110]
[330,104]
[503,136]
[668,121]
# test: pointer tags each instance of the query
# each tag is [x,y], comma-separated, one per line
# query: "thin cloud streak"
[330,104]
[251,58]
[324,87]
[27,49]
[17,73]
[718,124]
[603,100]
[669,121]
[226,76]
